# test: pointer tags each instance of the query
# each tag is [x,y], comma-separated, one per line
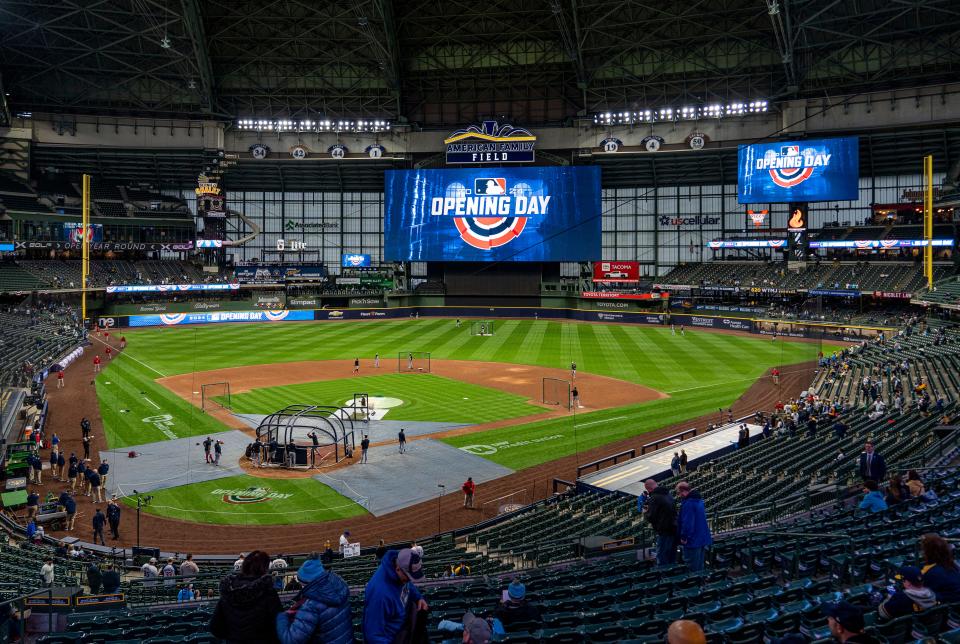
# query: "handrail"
[630,453]
[681,436]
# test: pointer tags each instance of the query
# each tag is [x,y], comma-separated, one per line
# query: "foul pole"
[85,247]
[928,219]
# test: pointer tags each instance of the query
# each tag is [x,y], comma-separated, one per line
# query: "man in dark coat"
[872,465]
[660,512]
[94,578]
[248,606]
[99,520]
[113,518]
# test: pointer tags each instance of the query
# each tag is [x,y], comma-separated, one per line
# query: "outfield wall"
[741,324]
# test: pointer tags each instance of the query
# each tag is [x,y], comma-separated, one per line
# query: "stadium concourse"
[80,400]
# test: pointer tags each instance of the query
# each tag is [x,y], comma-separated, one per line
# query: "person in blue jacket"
[391,596]
[321,611]
[873,500]
[695,534]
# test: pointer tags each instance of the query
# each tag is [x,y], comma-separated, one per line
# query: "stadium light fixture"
[310,125]
[686,112]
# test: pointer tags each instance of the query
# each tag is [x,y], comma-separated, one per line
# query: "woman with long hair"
[940,571]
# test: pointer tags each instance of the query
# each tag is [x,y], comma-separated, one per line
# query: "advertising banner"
[104,246]
[73,232]
[799,171]
[747,243]
[613,295]
[170,288]
[273,273]
[302,302]
[832,292]
[533,214]
[365,302]
[176,319]
[881,244]
[616,271]
[354,260]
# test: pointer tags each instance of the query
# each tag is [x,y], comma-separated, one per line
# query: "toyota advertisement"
[536,214]
[616,271]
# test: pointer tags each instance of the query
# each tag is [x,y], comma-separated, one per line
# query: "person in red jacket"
[60,379]
[776,376]
[123,342]
[109,351]
[469,487]
[96,364]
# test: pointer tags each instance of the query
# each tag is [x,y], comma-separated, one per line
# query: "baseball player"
[576,397]
[109,351]
[96,364]
[402,438]
[409,362]
[573,370]
[376,361]
[356,365]
[364,446]
[60,379]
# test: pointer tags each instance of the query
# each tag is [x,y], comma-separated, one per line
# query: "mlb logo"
[490,186]
[790,150]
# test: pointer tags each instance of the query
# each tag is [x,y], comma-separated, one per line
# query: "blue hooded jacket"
[386,601]
[873,502]
[694,531]
[323,615]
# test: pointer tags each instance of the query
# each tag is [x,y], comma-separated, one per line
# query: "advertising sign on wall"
[355,260]
[176,319]
[493,214]
[611,295]
[616,271]
[794,171]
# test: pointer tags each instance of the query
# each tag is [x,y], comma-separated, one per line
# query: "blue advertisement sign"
[355,260]
[176,319]
[798,171]
[171,288]
[537,214]
[275,273]
[6,247]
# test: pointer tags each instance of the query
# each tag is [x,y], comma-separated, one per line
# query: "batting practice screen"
[811,170]
[539,214]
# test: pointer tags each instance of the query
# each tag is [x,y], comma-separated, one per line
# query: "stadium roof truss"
[444,63]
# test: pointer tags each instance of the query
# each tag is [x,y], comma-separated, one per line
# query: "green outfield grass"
[714,368]
[309,501]
[424,396]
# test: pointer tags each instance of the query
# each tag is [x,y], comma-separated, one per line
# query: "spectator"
[186,594]
[150,572]
[683,461]
[872,497]
[675,464]
[391,599]
[915,484]
[940,572]
[872,465]
[238,564]
[475,630]
[248,604]
[47,572]
[660,512]
[344,540]
[94,578]
[111,580]
[896,491]
[685,631]
[169,572]
[515,610]
[468,487]
[381,550]
[913,598]
[692,526]
[320,612]
[189,570]
[846,623]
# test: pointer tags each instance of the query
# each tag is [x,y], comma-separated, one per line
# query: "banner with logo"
[733,324]
[881,244]
[613,295]
[616,271]
[171,288]
[747,243]
[365,302]
[73,232]
[302,302]
[176,319]
[355,260]
[535,214]
[273,273]
[104,246]
[799,171]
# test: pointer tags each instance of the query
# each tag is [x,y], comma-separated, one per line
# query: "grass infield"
[249,500]
[426,397]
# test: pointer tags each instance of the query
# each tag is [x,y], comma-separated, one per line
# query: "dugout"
[294,424]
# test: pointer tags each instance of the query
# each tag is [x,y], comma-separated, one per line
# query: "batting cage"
[557,392]
[413,362]
[304,436]
[215,395]
[481,327]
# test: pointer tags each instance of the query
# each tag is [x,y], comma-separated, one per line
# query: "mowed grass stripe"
[309,501]
[426,397]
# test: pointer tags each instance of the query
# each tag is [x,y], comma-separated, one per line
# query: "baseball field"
[632,379]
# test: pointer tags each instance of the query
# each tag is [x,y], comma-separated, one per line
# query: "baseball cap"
[410,563]
[910,573]
[478,628]
[846,614]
